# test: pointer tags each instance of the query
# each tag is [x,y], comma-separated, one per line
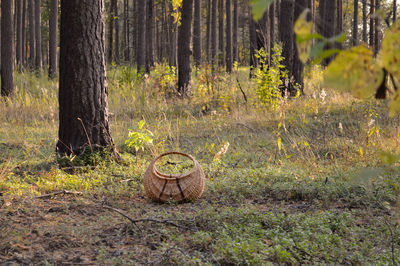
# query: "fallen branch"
[246,126]
[134,221]
[61,192]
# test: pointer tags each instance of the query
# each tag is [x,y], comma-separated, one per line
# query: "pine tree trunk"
[221,32]
[328,14]
[150,35]
[134,30]
[184,52]
[355,24]
[197,33]
[235,33]
[172,40]
[24,33]
[364,16]
[116,27]
[53,38]
[272,18]
[83,111]
[298,65]
[110,32]
[228,49]
[394,11]
[208,32]
[18,10]
[32,38]
[214,32]
[372,24]
[38,36]
[286,18]
[253,42]
[141,36]
[7,48]
[377,42]
[125,39]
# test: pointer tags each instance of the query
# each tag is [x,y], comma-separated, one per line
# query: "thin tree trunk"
[32,38]
[116,27]
[394,11]
[214,32]
[150,35]
[328,19]
[220,32]
[184,52]
[173,30]
[272,19]
[372,24]
[298,66]
[38,36]
[125,39]
[110,32]
[134,30]
[84,124]
[18,9]
[7,48]
[377,43]
[228,49]
[286,19]
[355,24]
[235,31]
[208,32]
[253,42]
[141,36]
[53,38]
[197,33]
[364,16]
[24,33]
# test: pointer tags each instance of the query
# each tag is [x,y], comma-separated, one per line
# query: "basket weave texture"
[183,187]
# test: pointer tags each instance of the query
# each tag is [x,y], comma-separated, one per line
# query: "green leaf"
[304,36]
[259,7]
[354,70]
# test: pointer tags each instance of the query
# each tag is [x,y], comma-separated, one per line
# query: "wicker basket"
[164,187]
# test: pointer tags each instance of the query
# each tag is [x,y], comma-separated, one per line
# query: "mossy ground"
[323,197]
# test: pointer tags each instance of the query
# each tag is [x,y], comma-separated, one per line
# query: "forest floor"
[313,182]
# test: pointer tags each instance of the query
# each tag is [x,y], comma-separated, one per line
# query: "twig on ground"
[126,180]
[134,221]
[61,192]
[246,126]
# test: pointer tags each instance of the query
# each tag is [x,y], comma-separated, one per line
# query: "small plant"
[165,76]
[269,77]
[137,140]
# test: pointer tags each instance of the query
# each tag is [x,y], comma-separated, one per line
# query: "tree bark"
[228,49]
[24,33]
[7,48]
[377,42]
[253,42]
[208,32]
[221,32]
[110,32]
[83,122]
[53,38]
[150,35]
[32,38]
[116,27]
[355,24]
[286,19]
[184,52]
[372,24]
[364,16]
[141,36]
[214,32]
[38,36]
[394,11]
[197,33]
[235,33]
[328,18]
[272,19]
[18,10]
[298,66]
[126,41]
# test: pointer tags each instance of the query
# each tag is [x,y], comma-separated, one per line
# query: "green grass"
[324,197]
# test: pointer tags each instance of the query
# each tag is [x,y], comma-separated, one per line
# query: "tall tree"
[298,66]
[38,36]
[111,18]
[272,23]
[235,33]
[7,48]
[150,35]
[377,42]
[355,24]
[184,52]
[228,49]
[83,111]
[394,11]
[24,33]
[286,20]
[327,25]
[214,32]
[32,37]
[141,36]
[372,24]
[364,18]
[19,46]
[208,32]
[125,40]
[221,32]
[197,32]
[116,28]
[53,38]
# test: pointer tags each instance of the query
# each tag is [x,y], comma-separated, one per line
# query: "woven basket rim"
[173,176]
